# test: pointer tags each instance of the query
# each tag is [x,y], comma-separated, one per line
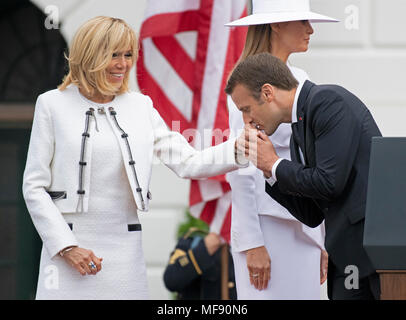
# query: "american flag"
[185,58]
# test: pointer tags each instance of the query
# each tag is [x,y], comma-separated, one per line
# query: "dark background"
[31,62]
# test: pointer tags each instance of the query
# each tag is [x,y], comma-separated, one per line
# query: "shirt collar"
[294,108]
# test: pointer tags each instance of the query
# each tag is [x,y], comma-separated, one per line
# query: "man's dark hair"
[256,70]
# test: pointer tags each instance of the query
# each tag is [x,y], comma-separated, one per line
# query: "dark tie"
[295,133]
[296,147]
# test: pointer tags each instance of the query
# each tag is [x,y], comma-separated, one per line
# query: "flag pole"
[224,272]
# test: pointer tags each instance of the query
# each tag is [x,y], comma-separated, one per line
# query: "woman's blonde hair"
[258,40]
[91,52]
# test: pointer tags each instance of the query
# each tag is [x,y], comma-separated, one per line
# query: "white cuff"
[273,179]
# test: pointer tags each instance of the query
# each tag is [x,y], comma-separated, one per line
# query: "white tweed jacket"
[59,157]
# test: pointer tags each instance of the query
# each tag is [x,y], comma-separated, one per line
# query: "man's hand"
[323,266]
[259,267]
[258,149]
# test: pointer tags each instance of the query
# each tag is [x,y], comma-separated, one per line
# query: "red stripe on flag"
[177,57]
[195,195]
[208,211]
[226,186]
[226,227]
[169,23]
[220,178]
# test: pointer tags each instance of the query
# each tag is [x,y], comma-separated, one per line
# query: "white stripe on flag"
[223,204]
[216,56]
[237,9]
[169,81]
[188,41]
[196,210]
[210,189]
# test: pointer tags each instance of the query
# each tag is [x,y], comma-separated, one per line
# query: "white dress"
[104,230]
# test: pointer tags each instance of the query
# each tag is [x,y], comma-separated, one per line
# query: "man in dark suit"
[327,176]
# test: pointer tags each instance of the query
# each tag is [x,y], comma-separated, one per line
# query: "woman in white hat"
[275,255]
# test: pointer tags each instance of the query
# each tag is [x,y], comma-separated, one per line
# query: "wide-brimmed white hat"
[272,11]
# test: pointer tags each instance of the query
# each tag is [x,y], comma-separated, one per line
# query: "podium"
[385,216]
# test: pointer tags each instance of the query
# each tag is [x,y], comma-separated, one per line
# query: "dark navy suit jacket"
[334,132]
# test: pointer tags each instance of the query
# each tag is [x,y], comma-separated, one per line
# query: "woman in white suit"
[89,165]
[275,256]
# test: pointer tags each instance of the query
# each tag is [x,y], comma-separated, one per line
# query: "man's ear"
[268,92]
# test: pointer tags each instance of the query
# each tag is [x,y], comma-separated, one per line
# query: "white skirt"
[295,264]
[123,274]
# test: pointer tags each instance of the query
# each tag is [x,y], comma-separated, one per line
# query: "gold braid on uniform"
[177,254]
[193,259]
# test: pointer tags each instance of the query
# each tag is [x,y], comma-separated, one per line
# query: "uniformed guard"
[201,268]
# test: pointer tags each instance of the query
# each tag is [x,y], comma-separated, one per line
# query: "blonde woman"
[275,256]
[89,166]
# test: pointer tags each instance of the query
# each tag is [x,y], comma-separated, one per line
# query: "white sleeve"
[177,154]
[246,230]
[48,220]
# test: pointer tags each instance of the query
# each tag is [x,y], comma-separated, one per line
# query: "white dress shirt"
[273,179]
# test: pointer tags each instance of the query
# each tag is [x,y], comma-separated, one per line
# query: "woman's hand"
[259,267]
[81,259]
